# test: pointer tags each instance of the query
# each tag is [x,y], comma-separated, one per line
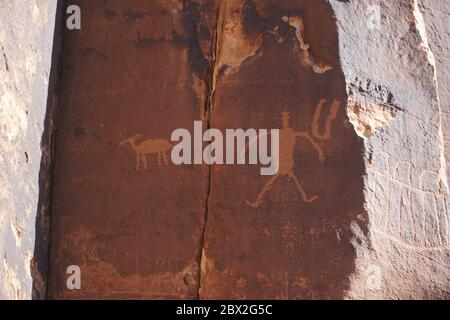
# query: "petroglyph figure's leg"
[302,191]
[264,190]
[165,158]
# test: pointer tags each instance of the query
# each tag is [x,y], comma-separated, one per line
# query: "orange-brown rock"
[359,206]
[131,220]
[285,236]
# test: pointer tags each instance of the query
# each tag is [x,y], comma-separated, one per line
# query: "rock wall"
[359,208]
[26,38]
[391,76]
[437,23]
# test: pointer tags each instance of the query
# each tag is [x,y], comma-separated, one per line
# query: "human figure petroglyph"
[158,147]
[288,140]
[408,207]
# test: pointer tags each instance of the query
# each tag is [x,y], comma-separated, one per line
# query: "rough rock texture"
[285,236]
[391,72]
[131,220]
[140,227]
[26,37]
[436,16]
[359,208]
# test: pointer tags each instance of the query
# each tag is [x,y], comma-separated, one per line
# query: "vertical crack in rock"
[209,105]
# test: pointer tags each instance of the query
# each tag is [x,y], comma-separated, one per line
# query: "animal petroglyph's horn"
[135,136]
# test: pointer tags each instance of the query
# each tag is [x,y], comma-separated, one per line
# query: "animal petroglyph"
[288,140]
[158,147]
[396,190]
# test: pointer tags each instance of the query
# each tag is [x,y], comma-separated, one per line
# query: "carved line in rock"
[288,136]
[288,141]
[158,147]
[394,195]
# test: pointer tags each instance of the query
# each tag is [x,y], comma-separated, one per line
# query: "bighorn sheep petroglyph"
[159,147]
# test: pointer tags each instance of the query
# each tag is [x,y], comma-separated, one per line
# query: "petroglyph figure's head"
[285,119]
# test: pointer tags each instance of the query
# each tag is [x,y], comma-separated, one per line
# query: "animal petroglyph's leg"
[144,160]
[263,192]
[334,109]
[315,145]
[302,191]
[158,156]
[138,162]
[165,158]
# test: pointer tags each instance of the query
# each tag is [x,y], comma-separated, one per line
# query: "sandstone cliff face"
[359,208]
[391,78]
[437,25]
[26,37]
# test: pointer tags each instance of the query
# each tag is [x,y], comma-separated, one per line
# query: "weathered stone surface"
[285,236]
[436,16]
[391,75]
[26,37]
[359,208]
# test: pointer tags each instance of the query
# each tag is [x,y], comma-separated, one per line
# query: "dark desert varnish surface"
[139,226]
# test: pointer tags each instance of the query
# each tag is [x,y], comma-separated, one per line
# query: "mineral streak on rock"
[234,46]
[299,26]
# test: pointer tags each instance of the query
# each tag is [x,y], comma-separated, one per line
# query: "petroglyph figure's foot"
[311,199]
[259,200]
[302,192]
[254,205]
